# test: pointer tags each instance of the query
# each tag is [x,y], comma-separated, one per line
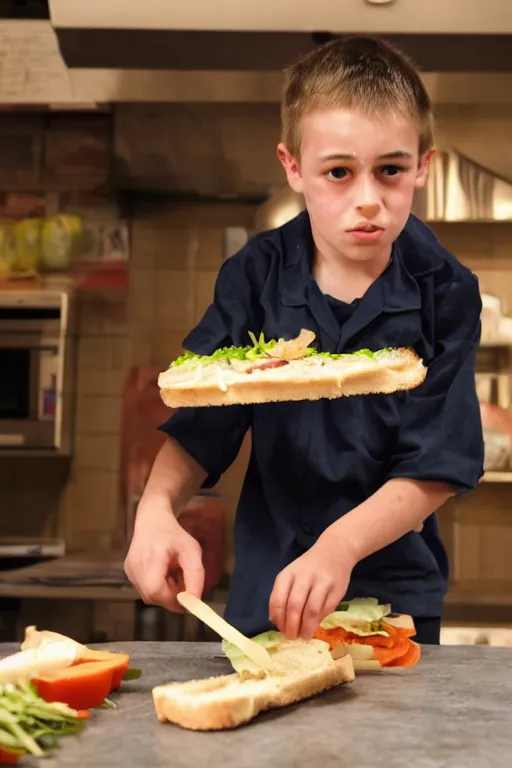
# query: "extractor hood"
[453,36]
[458,190]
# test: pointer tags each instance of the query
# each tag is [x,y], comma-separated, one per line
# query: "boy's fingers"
[297,601]
[193,570]
[313,614]
[279,599]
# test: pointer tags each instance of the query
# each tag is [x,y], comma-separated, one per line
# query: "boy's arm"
[314,584]
[160,547]
[201,445]
[440,453]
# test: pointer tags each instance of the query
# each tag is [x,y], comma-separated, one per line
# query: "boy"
[339,496]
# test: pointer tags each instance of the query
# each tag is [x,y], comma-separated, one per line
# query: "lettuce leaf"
[362,616]
[259,348]
[239,661]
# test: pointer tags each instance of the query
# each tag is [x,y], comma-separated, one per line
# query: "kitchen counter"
[452,710]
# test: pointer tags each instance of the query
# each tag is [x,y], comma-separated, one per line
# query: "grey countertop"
[452,711]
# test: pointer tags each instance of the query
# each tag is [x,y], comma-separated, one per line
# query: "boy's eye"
[391,170]
[338,173]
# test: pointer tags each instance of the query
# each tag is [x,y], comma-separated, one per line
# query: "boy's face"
[358,175]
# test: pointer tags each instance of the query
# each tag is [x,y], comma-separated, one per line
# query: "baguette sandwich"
[300,669]
[376,639]
[271,371]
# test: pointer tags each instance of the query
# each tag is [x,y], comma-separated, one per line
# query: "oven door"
[28,392]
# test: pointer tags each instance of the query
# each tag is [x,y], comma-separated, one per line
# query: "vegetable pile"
[48,688]
[373,636]
[28,724]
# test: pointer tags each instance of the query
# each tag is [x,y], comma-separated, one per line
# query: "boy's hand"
[310,588]
[163,558]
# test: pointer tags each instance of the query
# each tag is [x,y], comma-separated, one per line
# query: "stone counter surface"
[454,710]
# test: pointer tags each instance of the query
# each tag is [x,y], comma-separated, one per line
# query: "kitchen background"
[163,175]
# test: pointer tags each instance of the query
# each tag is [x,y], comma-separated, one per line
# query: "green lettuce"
[270,640]
[362,616]
[259,348]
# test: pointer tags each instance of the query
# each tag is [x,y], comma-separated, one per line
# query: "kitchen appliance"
[37,361]
[454,36]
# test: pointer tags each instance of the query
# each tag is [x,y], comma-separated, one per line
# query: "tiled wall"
[89,514]
[177,249]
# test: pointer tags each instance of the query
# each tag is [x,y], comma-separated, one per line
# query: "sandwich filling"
[275,360]
[363,628]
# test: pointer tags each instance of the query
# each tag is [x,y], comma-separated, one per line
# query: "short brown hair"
[360,73]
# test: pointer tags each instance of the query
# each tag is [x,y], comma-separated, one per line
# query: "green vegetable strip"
[29,723]
[259,348]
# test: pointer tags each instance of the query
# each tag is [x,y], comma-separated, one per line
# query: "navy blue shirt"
[313,461]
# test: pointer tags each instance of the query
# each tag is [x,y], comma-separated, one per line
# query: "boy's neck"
[346,279]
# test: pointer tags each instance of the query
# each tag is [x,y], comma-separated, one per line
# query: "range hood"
[453,36]
[457,190]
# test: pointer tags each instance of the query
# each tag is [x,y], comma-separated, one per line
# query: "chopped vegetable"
[34,638]
[37,639]
[362,616]
[293,349]
[10,756]
[132,674]
[239,661]
[46,660]
[81,686]
[364,623]
[119,663]
[410,657]
[288,350]
[30,725]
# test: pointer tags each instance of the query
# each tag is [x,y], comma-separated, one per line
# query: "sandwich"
[361,635]
[375,638]
[279,370]
[300,669]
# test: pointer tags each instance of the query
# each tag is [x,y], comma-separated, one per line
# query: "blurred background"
[137,152]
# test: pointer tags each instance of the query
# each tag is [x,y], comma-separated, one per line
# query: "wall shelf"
[497,477]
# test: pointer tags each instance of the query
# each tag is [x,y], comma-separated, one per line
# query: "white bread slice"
[302,669]
[310,378]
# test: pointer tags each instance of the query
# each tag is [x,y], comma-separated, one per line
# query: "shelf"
[478,593]
[73,592]
[33,453]
[497,477]
[76,576]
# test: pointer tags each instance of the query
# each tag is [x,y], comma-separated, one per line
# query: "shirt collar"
[396,290]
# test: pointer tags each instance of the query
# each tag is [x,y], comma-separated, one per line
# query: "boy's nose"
[369,210]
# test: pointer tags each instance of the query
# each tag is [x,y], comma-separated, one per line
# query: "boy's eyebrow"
[398,154]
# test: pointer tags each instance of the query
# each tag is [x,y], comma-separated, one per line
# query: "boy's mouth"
[366,232]
[366,228]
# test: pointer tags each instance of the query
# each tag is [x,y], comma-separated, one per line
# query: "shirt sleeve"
[440,435]
[212,435]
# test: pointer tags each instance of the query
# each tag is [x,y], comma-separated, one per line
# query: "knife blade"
[256,653]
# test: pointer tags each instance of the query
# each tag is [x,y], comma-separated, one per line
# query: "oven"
[36,370]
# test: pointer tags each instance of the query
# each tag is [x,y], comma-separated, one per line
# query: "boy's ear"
[421,176]
[291,168]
